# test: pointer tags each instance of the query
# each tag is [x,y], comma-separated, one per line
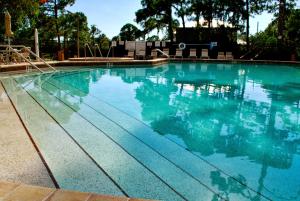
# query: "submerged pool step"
[181,181]
[70,166]
[132,176]
[187,161]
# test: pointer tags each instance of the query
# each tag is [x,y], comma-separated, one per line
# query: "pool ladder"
[109,65]
[158,50]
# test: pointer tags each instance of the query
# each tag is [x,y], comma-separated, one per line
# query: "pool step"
[132,178]
[109,117]
[21,192]
[70,166]
[165,170]
[20,161]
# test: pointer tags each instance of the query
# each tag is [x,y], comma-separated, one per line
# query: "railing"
[11,49]
[98,48]
[23,57]
[158,50]
[39,59]
[91,52]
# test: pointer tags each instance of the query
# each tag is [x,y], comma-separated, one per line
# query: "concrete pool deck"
[110,62]
[83,62]
[20,192]
[20,161]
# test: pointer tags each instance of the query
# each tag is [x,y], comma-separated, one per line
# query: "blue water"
[174,132]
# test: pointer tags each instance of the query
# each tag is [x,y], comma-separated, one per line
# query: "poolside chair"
[178,53]
[166,51]
[193,53]
[140,54]
[157,44]
[25,53]
[229,56]
[204,54]
[130,54]
[221,55]
[2,60]
[153,54]
[149,44]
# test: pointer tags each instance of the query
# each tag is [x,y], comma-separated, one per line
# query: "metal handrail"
[108,52]
[97,46]
[27,60]
[40,59]
[87,45]
[158,50]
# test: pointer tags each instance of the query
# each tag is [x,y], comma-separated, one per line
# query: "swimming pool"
[174,132]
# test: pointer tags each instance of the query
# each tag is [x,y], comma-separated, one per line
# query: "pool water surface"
[180,131]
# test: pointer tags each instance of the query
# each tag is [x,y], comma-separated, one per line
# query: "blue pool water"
[174,132]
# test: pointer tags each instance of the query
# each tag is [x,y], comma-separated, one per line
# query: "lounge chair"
[2,60]
[166,52]
[14,58]
[157,44]
[130,54]
[25,53]
[153,54]
[229,56]
[193,53]
[204,54]
[149,44]
[178,53]
[141,54]
[221,55]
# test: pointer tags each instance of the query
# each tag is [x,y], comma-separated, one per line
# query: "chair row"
[179,54]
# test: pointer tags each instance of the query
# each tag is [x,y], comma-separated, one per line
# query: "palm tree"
[196,8]
[181,10]
[94,31]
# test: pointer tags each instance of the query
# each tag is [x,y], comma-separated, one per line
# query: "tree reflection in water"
[219,109]
[240,115]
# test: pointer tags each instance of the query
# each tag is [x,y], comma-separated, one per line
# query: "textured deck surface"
[20,161]
[20,192]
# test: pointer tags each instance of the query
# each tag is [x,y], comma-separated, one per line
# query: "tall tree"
[281,9]
[196,9]
[21,11]
[74,26]
[181,10]
[95,32]
[293,30]
[160,10]
[130,32]
[53,9]
[253,7]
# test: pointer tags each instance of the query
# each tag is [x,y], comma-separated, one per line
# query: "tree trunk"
[78,42]
[210,18]
[248,25]
[170,25]
[183,22]
[56,23]
[197,20]
[281,19]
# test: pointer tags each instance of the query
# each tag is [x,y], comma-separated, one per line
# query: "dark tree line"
[58,28]
[160,13]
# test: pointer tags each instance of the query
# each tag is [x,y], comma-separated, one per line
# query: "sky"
[110,15]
